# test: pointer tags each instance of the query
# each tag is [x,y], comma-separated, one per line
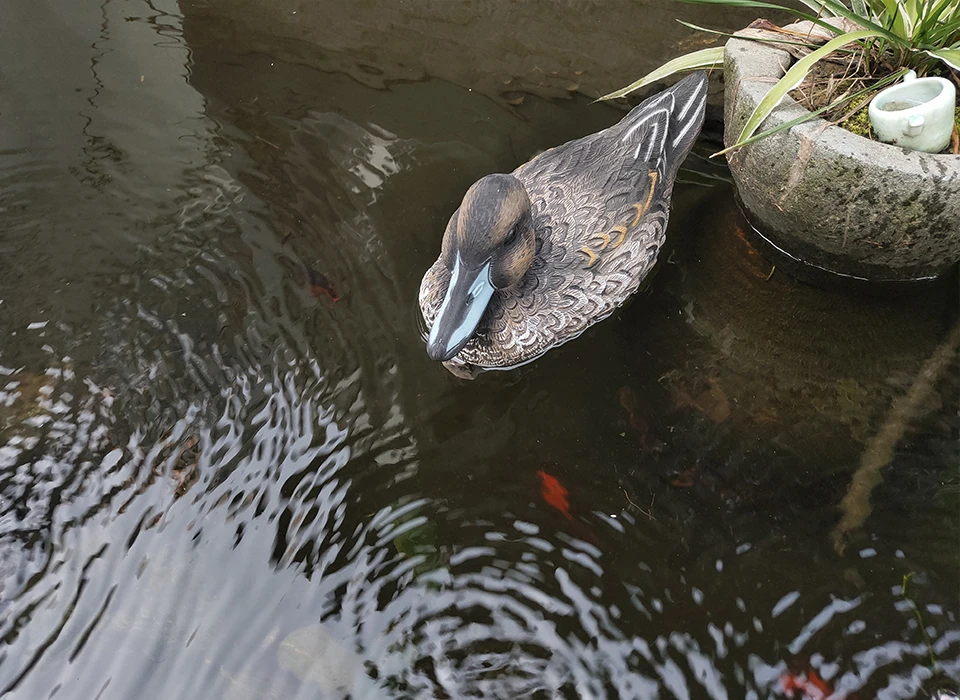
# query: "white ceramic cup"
[916,114]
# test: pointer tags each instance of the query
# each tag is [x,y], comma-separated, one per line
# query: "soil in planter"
[832,80]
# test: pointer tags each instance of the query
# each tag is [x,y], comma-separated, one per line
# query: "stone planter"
[829,201]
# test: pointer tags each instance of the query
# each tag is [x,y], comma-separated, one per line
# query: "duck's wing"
[597,192]
[656,135]
[601,205]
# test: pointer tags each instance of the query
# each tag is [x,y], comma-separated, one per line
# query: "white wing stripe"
[664,103]
[683,131]
[653,139]
[652,105]
[693,98]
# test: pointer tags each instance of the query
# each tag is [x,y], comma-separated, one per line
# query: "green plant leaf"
[894,21]
[949,56]
[939,26]
[704,58]
[947,32]
[908,11]
[942,34]
[794,77]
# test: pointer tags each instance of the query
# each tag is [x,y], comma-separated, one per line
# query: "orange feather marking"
[642,208]
[621,238]
[591,255]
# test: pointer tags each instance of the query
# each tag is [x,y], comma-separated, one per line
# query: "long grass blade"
[704,58]
[794,77]
[761,39]
[940,35]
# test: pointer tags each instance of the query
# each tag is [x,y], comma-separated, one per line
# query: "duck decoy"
[532,258]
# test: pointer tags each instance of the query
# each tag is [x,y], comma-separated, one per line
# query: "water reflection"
[215,483]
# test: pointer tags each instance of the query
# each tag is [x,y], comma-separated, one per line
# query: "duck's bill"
[467,298]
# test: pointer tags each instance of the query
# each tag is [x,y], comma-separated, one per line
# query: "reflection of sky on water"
[370,160]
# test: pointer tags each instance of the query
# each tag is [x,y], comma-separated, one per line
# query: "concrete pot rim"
[774,63]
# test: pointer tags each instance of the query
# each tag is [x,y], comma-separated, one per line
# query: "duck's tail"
[665,126]
[686,120]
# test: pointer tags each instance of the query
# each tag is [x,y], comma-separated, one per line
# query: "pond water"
[229,470]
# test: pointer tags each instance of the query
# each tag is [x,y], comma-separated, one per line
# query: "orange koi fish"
[554,493]
[808,682]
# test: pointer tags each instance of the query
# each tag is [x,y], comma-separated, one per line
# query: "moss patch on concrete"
[859,122]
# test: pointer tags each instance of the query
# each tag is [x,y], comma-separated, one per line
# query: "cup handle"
[915,125]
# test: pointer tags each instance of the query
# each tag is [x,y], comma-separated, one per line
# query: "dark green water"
[216,482]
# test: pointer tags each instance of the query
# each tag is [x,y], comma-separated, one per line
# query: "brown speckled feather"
[600,206]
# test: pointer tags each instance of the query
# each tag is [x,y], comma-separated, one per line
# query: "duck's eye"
[512,236]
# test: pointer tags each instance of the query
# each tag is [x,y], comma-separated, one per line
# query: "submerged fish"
[809,684]
[555,493]
[802,682]
[319,285]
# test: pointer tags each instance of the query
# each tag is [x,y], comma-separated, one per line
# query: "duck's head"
[489,244]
